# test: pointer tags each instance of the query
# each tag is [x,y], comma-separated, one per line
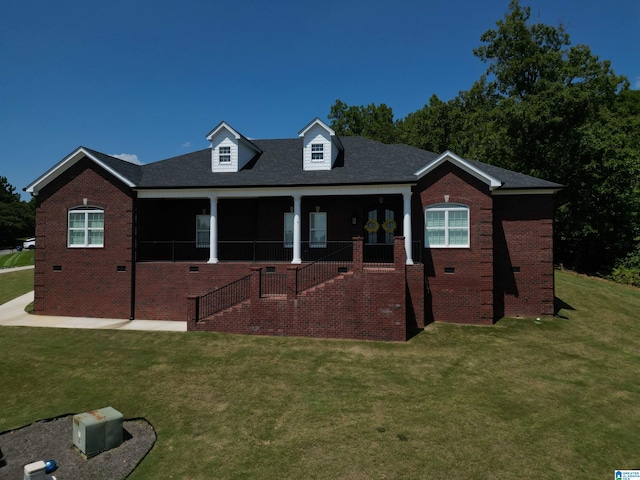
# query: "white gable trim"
[66,163]
[318,134]
[316,121]
[238,136]
[449,156]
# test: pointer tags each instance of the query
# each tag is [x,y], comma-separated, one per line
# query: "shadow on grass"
[559,304]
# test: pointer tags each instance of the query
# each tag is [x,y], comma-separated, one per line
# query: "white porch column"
[213,230]
[297,230]
[406,227]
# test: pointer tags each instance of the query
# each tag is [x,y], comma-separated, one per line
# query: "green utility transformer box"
[97,431]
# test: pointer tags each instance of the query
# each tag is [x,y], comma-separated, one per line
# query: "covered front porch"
[190,226]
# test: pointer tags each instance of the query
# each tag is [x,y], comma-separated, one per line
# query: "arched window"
[86,227]
[446,226]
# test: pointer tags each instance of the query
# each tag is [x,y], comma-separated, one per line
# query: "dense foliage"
[543,108]
[17,218]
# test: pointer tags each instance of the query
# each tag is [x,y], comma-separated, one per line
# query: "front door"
[380,228]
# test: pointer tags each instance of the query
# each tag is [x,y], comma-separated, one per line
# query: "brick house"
[311,236]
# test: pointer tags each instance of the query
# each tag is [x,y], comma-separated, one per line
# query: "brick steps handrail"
[222,298]
[322,270]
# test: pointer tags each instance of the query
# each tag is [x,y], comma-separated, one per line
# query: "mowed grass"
[559,399]
[14,284]
[17,259]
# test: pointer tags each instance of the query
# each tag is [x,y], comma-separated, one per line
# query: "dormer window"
[225,154]
[320,146]
[317,151]
[230,151]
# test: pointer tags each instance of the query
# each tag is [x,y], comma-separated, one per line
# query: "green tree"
[547,109]
[17,218]
[371,121]
[557,114]
[435,127]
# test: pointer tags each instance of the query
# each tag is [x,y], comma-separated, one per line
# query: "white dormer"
[230,151]
[321,146]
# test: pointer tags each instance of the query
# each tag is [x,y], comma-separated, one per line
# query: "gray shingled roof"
[363,161]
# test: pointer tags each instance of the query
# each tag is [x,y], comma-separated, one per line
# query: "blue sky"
[152,78]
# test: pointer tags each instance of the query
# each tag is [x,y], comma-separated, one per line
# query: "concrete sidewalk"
[12,314]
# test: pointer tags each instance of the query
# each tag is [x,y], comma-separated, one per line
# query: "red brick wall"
[86,281]
[465,296]
[162,287]
[358,305]
[511,275]
[415,298]
[523,232]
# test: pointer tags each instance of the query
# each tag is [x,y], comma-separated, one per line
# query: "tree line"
[17,217]
[548,109]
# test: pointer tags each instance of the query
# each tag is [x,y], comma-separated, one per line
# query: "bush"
[626,275]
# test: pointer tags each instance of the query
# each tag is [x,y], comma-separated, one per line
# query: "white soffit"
[257,192]
[449,156]
[68,162]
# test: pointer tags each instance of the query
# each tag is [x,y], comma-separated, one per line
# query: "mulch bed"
[53,440]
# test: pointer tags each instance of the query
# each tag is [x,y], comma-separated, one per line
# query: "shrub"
[626,275]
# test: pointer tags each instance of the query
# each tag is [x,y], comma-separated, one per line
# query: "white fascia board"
[332,134]
[526,191]
[314,122]
[66,163]
[219,127]
[238,136]
[255,192]
[449,156]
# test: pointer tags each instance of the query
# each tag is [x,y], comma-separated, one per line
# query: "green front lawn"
[17,259]
[14,284]
[559,399]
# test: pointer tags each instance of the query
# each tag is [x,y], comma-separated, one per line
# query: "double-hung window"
[318,229]
[203,231]
[86,227]
[447,226]
[288,230]
[317,151]
[224,154]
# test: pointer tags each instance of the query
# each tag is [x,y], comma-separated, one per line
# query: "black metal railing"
[273,284]
[254,251]
[378,254]
[381,255]
[339,261]
[171,251]
[223,297]
[241,251]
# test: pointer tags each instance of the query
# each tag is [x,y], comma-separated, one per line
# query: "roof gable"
[321,146]
[224,125]
[230,150]
[463,164]
[124,171]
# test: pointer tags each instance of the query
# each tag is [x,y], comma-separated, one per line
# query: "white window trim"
[224,154]
[206,244]
[85,211]
[317,152]
[288,243]
[447,208]
[314,244]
